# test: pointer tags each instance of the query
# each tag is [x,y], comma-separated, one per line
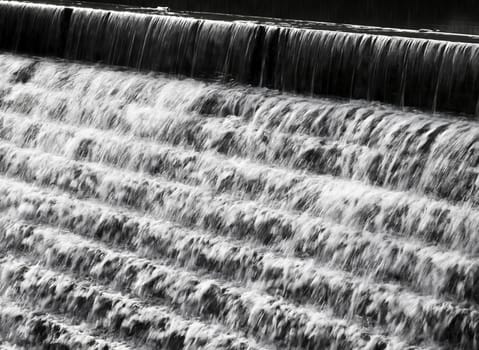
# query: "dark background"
[456,16]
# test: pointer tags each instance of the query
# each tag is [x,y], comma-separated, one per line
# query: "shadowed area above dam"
[450,16]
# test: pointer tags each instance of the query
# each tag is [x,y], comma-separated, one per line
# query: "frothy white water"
[185,214]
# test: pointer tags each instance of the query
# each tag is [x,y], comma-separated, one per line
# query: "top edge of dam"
[431,15]
[438,32]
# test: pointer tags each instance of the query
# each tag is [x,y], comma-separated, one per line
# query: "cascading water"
[151,210]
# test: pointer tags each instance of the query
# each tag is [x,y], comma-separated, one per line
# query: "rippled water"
[148,211]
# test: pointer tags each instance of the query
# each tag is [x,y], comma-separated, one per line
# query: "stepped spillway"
[186,204]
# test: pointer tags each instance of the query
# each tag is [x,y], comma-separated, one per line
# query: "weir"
[447,16]
[174,182]
[429,74]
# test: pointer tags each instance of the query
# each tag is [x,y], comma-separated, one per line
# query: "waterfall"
[181,183]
